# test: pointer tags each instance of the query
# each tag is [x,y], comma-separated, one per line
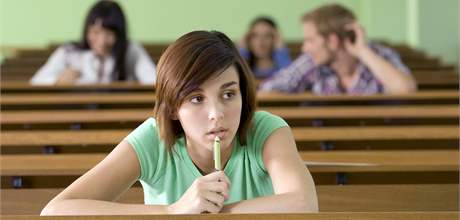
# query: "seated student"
[104,54]
[337,59]
[263,48]
[204,90]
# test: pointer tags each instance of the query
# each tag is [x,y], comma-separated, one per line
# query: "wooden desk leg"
[48,150]
[341,178]
[326,145]
[17,182]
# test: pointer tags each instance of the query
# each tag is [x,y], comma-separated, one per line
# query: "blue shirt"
[280,57]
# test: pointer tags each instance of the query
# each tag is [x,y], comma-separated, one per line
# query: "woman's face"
[212,110]
[100,39]
[261,40]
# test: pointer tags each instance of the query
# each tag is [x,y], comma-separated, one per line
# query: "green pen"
[217,164]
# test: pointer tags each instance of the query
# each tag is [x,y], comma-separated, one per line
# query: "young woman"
[104,54]
[204,90]
[264,49]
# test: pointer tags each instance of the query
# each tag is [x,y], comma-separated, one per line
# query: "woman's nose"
[216,111]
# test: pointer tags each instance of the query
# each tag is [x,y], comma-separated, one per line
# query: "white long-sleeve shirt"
[87,64]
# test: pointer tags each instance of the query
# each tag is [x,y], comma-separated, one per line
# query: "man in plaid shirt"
[337,59]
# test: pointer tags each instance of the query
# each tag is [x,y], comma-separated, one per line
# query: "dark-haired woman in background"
[103,55]
[263,48]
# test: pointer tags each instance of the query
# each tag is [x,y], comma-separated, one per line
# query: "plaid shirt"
[303,75]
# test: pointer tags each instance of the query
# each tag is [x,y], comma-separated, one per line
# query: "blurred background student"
[263,48]
[103,55]
[338,59]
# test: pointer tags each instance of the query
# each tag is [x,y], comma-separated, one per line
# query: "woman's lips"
[221,134]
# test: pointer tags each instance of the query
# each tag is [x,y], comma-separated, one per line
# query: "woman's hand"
[69,76]
[206,195]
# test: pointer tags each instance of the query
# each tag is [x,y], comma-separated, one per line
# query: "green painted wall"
[386,19]
[37,23]
[439,28]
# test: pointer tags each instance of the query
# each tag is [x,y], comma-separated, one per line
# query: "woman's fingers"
[219,187]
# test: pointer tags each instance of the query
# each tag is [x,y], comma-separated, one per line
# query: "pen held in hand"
[217,164]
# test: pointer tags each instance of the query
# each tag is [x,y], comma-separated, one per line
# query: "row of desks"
[442,147]
[317,216]
[426,77]
[317,161]
[327,167]
[97,99]
[438,165]
[340,198]
[128,87]
[287,113]
[301,134]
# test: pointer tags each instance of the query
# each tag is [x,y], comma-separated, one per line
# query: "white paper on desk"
[318,164]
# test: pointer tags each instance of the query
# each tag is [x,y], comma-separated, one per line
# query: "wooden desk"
[336,198]
[428,77]
[24,87]
[288,113]
[301,134]
[317,161]
[441,79]
[316,216]
[33,97]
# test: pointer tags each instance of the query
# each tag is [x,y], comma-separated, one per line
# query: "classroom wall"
[150,20]
[439,28]
[386,19]
[37,23]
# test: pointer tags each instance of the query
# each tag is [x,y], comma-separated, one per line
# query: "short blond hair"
[330,19]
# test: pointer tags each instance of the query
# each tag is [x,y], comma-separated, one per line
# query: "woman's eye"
[196,99]
[228,95]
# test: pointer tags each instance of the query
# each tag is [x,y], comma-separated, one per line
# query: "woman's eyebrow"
[228,84]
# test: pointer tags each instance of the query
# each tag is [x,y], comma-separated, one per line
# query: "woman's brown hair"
[184,66]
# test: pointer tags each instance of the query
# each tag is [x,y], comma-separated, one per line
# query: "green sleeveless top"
[166,176]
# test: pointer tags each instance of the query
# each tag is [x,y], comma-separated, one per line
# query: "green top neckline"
[192,167]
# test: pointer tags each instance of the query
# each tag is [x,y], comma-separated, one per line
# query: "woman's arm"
[294,78]
[97,190]
[49,73]
[145,69]
[94,193]
[292,183]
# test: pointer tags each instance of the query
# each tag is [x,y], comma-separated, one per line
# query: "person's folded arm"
[94,193]
[393,79]
[294,189]
[293,78]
